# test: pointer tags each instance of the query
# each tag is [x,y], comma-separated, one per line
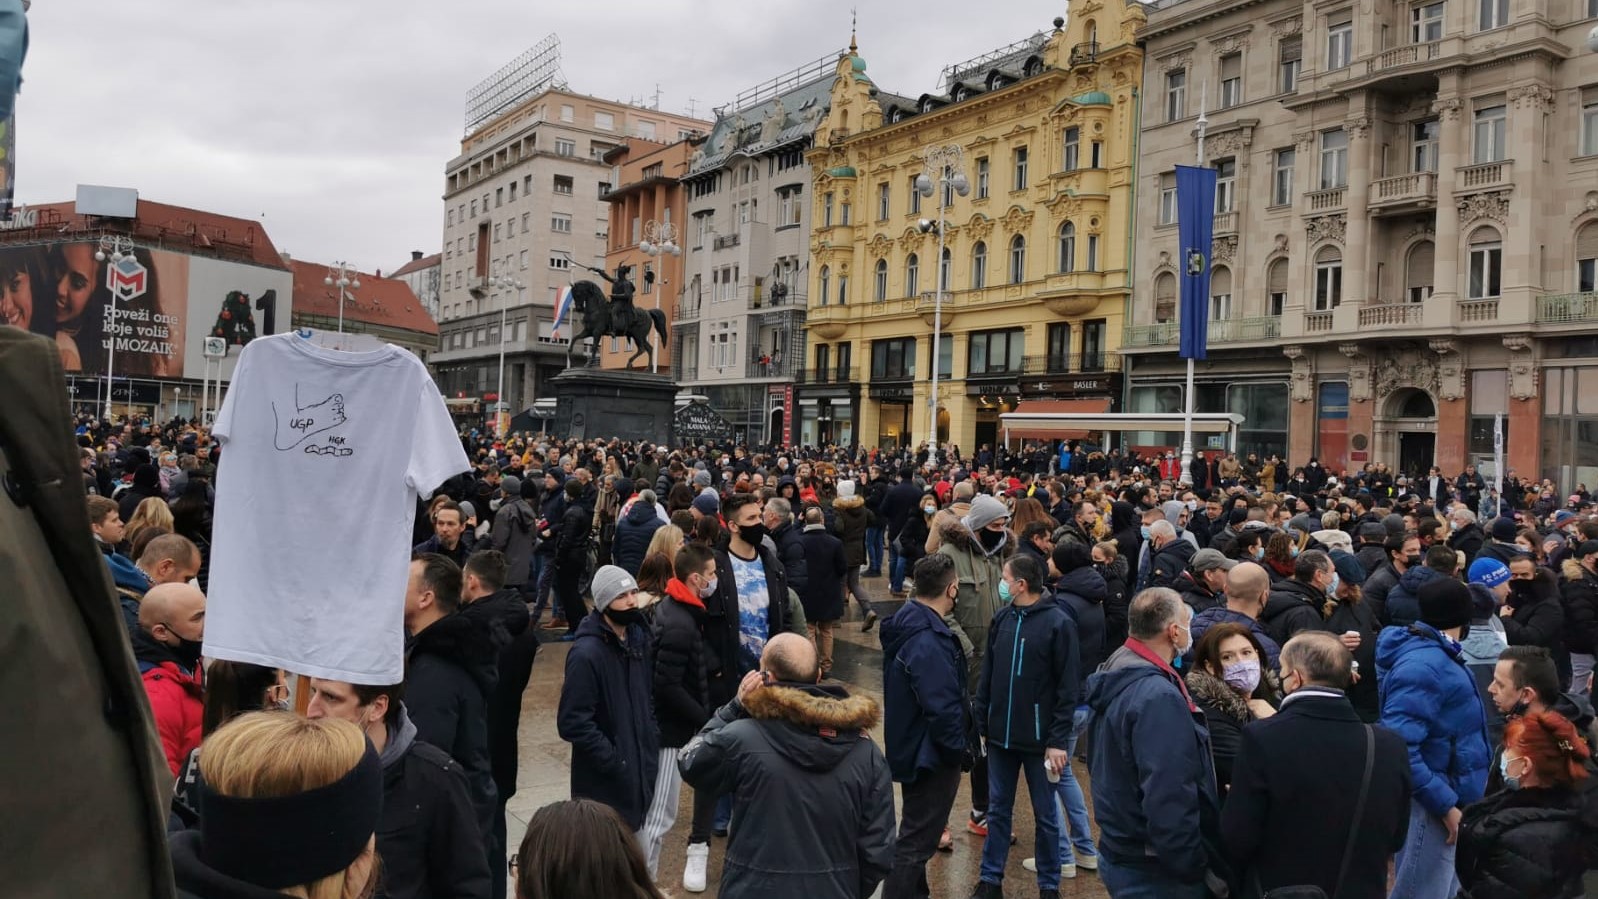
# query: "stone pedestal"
[596,404]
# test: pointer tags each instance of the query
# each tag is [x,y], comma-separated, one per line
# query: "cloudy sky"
[332,119]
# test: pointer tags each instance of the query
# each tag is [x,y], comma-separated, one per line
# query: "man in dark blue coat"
[928,729]
[1025,704]
[1154,794]
[821,594]
[605,708]
[901,502]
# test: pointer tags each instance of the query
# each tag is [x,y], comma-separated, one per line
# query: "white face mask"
[708,590]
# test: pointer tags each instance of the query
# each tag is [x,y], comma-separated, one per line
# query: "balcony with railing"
[1226,223]
[1071,364]
[771,366]
[1085,52]
[1567,308]
[1407,55]
[1318,322]
[1327,200]
[1477,312]
[688,309]
[1485,175]
[726,241]
[1391,315]
[1406,192]
[1232,330]
[802,375]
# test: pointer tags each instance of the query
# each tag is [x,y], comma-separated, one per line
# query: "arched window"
[943,270]
[979,265]
[1017,259]
[1164,297]
[1092,31]
[1068,247]
[1587,258]
[825,279]
[1486,263]
[1221,294]
[912,276]
[1276,287]
[1328,279]
[1418,267]
[879,287]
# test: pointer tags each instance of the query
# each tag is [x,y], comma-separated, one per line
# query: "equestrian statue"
[617,317]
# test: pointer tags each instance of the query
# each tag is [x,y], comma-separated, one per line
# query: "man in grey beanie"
[606,711]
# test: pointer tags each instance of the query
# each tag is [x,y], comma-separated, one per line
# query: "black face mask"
[1519,710]
[990,539]
[187,651]
[624,617]
[1412,561]
[752,534]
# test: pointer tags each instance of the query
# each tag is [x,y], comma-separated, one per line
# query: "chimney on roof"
[416,255]
[377,273]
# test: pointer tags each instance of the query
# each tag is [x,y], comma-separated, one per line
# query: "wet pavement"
[546,759]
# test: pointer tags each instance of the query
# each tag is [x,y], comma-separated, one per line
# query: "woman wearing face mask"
[1535,837]
[1281,551]
[231,689]
[1347,612]
[1109,564]
[1248,547]
[1231,686]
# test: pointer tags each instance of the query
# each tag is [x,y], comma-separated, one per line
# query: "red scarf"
[1143,652]
[679,591]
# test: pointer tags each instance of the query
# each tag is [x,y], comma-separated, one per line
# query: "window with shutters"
[1418,269]
[1231,80]
[1220,294]
[1486,264]
[1164,298]
[1291,61]
[1276,287]
[1587,258]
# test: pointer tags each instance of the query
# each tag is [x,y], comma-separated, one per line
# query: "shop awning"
[1030,422]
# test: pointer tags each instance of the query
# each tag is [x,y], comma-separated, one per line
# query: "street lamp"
[660,239]
[944,166]
[348,280]
[115,248]
[503,282]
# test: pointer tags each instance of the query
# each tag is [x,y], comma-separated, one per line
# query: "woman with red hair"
[1532,839]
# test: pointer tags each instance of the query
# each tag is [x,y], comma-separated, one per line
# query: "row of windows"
[1066,261]
[560,185]
[997,352]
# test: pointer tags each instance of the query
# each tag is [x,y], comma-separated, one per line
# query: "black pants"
[568,590]
[704,816]
[927,803]
[979,785]
[498,863]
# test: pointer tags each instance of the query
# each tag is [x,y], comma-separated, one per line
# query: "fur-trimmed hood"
[817,726]
[843,503]
[1571,570]
[1212,691]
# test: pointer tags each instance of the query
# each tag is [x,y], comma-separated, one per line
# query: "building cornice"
[1182,16]
[946,115]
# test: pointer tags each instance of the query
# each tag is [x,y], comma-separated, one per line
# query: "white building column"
[1450,156]
[1357,250]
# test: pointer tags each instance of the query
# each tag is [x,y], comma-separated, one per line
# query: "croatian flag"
[563,305]
[1195,221]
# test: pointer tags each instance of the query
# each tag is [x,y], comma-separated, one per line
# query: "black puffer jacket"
[606,714]
[576,533]
[1293,606]
[1523,843]
[1226,713]
[813,792]
[1197,594]
[1538,618]
[1116,604]
[633,533]
[504,616]
[791,550]
[1377,586]
[427,836]
[451,669]
[681,686]
[1579,593]
[850,520]
[1167,563]
[1467,540]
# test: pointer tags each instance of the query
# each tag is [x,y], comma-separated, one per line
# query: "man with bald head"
[788,742]
[166,645]
[1247,587]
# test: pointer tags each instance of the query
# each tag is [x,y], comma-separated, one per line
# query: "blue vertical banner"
[1195,221]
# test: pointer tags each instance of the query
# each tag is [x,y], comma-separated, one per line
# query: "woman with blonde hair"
[667,540]
[289,806]
[150,511]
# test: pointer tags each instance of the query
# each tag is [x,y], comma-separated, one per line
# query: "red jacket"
[175,698]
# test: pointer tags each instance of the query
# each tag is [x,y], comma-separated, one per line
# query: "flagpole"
[1199,128]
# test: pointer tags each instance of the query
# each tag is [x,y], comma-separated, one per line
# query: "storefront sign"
[787,415]
[992,388]
[138,393]
[1069,386]
[892,394]
[697,422]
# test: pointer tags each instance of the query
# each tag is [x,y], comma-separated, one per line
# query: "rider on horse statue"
[621,297]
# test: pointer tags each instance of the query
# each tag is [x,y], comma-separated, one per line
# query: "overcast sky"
[332,119]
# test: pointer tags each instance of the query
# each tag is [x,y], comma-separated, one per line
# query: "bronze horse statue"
[598,312]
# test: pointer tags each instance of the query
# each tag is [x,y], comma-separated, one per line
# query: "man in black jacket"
[571,557]
[682,706]
[778,517]
[1297,603]
[427,836]
[900,503]
[498,609]
[605,709]
[1534,615]
[1297,779]
[750,604]
[1402,553]
[450,671]
[812,793]
[822,593]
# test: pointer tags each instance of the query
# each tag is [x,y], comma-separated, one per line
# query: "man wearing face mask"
[750,603]
[427,835]
[1403,553]
[1296,604]
[605,708]
[682,705]
[166,646]
[1312,755]
[1525,681]
[1153,780]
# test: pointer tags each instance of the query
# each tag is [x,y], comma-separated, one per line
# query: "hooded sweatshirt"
[427,835]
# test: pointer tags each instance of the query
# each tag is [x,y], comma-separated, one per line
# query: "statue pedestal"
[599,404]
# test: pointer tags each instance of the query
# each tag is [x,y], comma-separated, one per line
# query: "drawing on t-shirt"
[309,420]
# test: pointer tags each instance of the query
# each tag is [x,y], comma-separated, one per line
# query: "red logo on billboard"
[126,278]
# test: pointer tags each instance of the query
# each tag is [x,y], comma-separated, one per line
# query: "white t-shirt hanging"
[324,454]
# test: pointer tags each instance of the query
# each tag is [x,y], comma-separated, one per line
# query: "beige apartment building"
[525,200]
[1406,228]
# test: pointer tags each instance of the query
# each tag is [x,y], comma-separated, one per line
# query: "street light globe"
[328,280]
[962,186]
[99,255]
[923,185]
[646,246]
[356,284]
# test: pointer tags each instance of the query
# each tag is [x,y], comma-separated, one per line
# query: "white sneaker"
[693,873]
[1066,871]
[1087,862]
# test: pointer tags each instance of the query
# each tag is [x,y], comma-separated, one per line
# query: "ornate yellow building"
[1036,257]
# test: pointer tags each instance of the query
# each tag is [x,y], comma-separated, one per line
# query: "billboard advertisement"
[152,308]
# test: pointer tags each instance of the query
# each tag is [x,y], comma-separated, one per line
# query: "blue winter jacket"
[131,583]
[1030,678]
[1153,778]
[1214,615]
[925,694]
[1430,700]
[1403,601]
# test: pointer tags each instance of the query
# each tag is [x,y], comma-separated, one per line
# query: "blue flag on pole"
[1195,221]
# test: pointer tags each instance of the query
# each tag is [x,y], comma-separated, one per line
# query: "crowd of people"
[1274,678]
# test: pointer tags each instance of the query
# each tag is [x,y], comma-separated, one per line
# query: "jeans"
[1004,767]
[926,807]
[852,588]
[874,549]
[895,569]
[1076,830]
[544,578]
[1424,868]
[1144,881]
[1581,666]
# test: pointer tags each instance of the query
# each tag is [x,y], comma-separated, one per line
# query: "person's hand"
[1351,640]
[1505,612]
[752,681]
[1451,821]
[1057,760]
[1261,708]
